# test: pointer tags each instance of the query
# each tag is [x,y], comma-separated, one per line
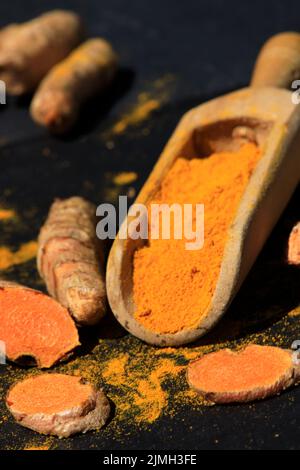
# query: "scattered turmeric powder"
[41,444]
[118,184]
[41,447]
[144,383]
[87,71]
[115,371]
[9,258]
[34,327]
[253,373]
[6,32]
[29,50]
[174,285]
[134,361]
[145,107]
[57,404]
[148,101]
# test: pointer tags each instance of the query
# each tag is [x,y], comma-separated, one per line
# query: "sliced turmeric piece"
[58,404]
[70,259]
[254,373]
[85,73]
[34,327]
[294,245]
[29,50]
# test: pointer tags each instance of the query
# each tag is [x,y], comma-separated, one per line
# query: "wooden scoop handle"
[278,62]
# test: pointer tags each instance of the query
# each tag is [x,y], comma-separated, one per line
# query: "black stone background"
[209,46]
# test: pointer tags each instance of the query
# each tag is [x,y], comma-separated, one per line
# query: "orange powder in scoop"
[173,286]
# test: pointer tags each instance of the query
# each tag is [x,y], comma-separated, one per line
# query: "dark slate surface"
[209,47]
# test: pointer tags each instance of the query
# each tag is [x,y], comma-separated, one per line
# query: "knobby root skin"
[255,373]
[86,72]
[29,50]
[34,327]
[70,259]
[294,246]
[58,404]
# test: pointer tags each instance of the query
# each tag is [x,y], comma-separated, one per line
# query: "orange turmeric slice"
[33,326]
[70,259]
[57,404]
[173,287]
[29,50]
[254,373]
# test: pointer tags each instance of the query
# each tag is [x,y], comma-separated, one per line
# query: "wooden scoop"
[262,114]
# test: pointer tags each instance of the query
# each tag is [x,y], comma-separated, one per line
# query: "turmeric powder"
[118,366]
[58,404]
[70,259]
[34,326]
[86,72]
[7,214]
[9,258]
[173,287]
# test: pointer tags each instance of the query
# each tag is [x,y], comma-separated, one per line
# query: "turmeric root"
[6,32]
[254,373]
[57,404]
[86,72]
[70,259]
[294,246]
[29,50]
[34,326]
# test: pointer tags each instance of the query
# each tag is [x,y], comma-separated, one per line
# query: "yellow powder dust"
[147,102]
[189,398]
[187,353]
[7,214]
[136,382]
[173,286]
[3,141]
[145,383]
[36,445]
[126,177]
[9,258]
